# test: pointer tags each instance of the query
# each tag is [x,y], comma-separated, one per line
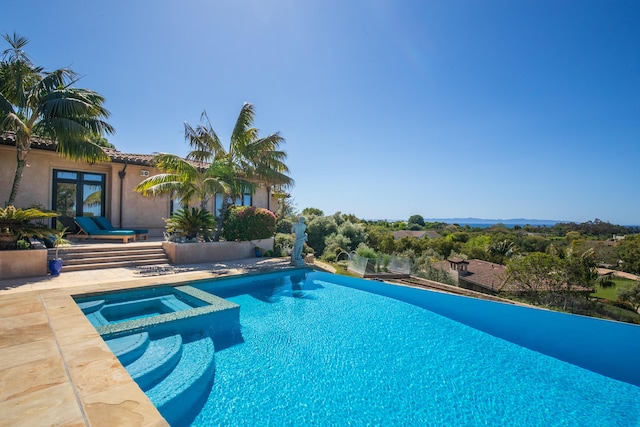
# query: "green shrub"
[284,225]
[282,245]
[623,304]
[191,224]
[248,223]
[23,244]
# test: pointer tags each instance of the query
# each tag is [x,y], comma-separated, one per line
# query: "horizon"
[499,109]
[494,221]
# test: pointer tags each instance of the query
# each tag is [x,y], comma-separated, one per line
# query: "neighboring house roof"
[485,274]
[432,234]
[418,234]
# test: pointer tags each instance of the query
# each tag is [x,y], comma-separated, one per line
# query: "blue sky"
[389,108]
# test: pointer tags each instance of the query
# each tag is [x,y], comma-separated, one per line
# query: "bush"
[284,225]
[623,304]
[248,223]
[191,224]
[283,244]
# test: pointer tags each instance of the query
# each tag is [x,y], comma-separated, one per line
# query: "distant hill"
[482,221]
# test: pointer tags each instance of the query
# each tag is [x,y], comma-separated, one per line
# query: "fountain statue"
[298,229]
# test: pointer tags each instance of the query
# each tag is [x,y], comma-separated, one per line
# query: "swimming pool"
[319,349]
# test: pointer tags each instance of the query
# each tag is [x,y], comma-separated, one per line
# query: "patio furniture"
[105,224]
[90,230]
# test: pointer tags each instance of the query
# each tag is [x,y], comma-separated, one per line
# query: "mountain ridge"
[511,221]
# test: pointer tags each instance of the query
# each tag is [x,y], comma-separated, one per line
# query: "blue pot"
[258,252]
[55,265]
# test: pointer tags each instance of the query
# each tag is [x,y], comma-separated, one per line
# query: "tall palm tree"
[248,161]
[38,103]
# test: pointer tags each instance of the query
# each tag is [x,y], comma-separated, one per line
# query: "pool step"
[130,347]
[89,307]
[192,377]
[160,358]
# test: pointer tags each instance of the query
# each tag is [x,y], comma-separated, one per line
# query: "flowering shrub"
[248,223]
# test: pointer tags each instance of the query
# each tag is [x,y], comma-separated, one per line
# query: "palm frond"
[81,148]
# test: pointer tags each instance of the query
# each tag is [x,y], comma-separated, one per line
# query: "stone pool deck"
[54,367]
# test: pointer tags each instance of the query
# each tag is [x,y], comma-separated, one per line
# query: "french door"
[77,194]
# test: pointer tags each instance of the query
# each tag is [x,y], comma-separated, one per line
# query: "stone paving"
[54,367]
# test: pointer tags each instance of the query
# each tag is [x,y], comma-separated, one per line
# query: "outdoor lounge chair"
[105,224]
[90,230]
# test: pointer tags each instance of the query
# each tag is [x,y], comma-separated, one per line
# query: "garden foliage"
[248,223]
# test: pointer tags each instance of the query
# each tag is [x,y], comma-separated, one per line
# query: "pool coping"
[55,368]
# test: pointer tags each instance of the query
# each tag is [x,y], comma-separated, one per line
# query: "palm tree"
[248,161]
[188,180]
[38,103]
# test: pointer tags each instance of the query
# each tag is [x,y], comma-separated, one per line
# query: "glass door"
[77,194]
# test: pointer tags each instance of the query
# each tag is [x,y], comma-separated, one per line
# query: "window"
[245,200]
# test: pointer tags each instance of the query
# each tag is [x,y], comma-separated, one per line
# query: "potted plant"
[17,223]
[55,264]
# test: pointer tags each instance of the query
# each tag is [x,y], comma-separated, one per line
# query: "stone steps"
[86,257]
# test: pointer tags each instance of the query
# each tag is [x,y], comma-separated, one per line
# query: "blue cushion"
[91,228]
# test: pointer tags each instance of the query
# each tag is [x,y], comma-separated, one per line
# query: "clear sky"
[389,108]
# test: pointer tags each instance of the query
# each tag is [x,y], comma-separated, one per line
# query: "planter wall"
[196,253]
[23,263]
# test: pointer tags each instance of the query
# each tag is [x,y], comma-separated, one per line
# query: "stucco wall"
[196,253]
[23,263]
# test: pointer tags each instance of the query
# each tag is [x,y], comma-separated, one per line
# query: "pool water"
[318,353]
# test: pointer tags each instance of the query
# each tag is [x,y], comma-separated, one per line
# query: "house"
[475,274]
[488,277]
[417,234]
[75,188]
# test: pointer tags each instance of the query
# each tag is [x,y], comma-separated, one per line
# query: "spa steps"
[168,369]
[93,258]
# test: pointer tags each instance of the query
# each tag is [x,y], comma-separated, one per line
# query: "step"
[160,358]
[100,254]
[96,260]
[89,307]
[121,264]
[130,347]
[188,383]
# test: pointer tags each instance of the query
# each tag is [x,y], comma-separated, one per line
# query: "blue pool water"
[317,353]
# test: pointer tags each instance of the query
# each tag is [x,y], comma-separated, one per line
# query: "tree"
[538,276]
[38,103]
[631,294]
[501,250]
[629,253]
[185,179]
[550,279]
[249,160]
[210,169]
[318,229]
[312,212]
[416,219]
